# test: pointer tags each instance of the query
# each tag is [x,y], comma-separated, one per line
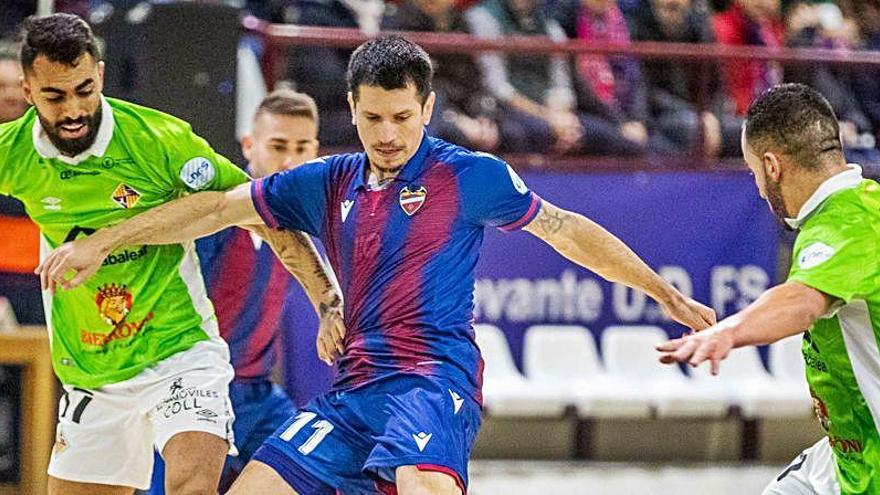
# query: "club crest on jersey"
[412,201]
[126,196]
[114,303]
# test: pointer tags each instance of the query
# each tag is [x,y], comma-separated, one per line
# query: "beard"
[72,147]
[777,204]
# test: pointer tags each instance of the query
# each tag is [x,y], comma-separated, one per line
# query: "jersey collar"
[411,170]
[844,180]
[105,132]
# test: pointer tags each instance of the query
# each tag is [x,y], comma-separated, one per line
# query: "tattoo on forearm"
[333,306]
[552,223]
[302,239]
[301,259]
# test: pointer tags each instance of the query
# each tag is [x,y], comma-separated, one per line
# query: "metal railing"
[278,37]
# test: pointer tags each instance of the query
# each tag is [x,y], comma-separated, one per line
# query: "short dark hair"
[796,120]
[289,103]
[62,38]
[390,62]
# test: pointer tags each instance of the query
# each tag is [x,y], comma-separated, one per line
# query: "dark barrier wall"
[708,233]
[179,58]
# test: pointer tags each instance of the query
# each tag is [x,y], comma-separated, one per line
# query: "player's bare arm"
[588,244]
[198,215]
[177,221]
[782,311]
[298,254]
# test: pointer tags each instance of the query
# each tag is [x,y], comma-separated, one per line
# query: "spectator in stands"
[616,82]
[674,86]
[750,22]
[823,26]
[78,7]
[12,104]
[866,83]
[12,12]
[542,112]
[465,112]
[320,71]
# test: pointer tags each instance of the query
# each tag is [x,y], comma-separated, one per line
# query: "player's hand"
[80,258]
[713,345]
[689,313]
[331,331]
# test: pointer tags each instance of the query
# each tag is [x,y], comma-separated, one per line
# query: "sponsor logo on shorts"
[207,415]
[125,196]
[197,173]
[457,401]
[184,400]
[412,201]
[176,386]
[61,443]
[421,438]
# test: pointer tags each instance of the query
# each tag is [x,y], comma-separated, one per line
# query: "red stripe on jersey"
[403,296]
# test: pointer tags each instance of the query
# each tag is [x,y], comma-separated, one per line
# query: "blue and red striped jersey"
[405,254]
[248,286]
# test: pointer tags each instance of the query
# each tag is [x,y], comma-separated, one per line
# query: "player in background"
[12,104]
[248,285]
[137,347]
[791,143]
[402,223]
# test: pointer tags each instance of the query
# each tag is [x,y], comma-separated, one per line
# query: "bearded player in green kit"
[791,143]
[137,347]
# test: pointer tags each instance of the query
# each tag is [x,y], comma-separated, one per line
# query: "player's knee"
[412,481]
[193,461]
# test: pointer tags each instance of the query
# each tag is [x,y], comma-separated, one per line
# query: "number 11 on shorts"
[322,429]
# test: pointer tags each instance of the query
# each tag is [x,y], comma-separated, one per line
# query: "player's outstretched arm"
[181,220]
[298,254]
[588,244]
[782,311]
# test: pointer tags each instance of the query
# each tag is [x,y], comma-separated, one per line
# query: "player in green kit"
[791,144]
[136,347]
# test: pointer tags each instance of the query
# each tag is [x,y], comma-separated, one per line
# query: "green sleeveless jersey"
[145,303]
[838,252]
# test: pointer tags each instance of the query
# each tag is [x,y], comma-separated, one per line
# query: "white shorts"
[107,436]
[812,473]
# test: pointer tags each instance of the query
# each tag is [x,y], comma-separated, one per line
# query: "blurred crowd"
[591,104]
[595,104]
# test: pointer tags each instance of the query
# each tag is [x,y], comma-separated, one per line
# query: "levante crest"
[412,201]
